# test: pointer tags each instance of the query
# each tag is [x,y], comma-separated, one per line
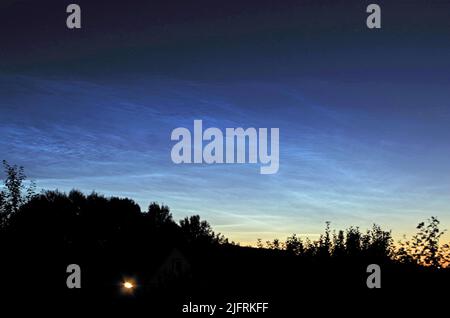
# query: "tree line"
[83,220]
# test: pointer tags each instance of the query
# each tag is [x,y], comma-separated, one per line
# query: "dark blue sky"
[364,115]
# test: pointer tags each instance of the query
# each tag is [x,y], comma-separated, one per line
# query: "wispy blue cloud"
[350,164]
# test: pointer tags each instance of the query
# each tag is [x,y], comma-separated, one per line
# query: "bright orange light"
[128,285]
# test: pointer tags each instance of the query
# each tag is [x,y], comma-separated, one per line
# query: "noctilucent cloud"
[364,115]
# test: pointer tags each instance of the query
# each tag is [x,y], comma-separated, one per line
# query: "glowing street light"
[128,285]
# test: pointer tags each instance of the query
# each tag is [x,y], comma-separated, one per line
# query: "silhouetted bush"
[424,247]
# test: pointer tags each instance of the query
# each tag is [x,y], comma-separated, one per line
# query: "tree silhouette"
[424,247]
[338,244]
[14,194]
[159,215]
[274,245]
[198,231]
[259,243]
[294,245]
[380,243]
[353,242]
[325,247]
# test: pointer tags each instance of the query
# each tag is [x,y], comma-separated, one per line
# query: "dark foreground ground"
[172,265]
[218,276]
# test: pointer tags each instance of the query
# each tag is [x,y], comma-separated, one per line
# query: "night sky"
[364,115]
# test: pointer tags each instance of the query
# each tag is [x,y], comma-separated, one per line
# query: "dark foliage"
[111,239]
